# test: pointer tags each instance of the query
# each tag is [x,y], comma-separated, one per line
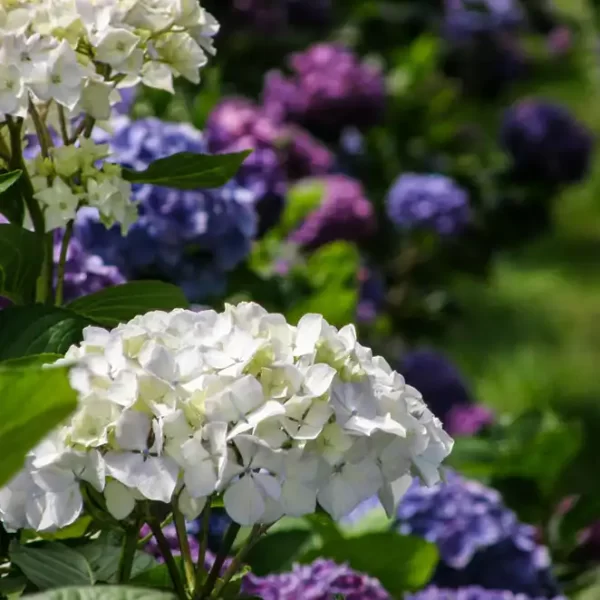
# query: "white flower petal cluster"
[76,52]
[70,178]
[185,406]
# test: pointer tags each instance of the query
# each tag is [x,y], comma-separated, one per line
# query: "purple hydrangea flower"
[321,580]
[471,593]
[464,18]
[191,237]
[481,542]
[441,383]
[468,420]
[345,214]
[330,89]
[124,106]
[546,143]
[238,124]
[428,202]
[84,273]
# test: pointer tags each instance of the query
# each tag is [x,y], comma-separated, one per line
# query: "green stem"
[41,130]
[47,275]
[165,550]
[184,546]
[128,553]
[213,576]
[143,541]
[62,120]
[17,162]
[200,570]
[237,561]
[60,282]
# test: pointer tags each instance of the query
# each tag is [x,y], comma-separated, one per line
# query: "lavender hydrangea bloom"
[84,273]
[546,143]
[465,18]
[191,237]
[468,420]
[481,542]
[345,214]
[440,382]
[428,202]
[321,580]
[329,90]
[371,295]
[124,106]
[471,593]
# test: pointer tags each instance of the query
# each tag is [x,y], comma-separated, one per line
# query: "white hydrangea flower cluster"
[186,406]
[77,52]
[70,178]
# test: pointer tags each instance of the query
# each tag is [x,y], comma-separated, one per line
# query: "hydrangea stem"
[237,561]
[128,553]
[64,248]
[184,546]
[165,550]
[206,590]
[200,571]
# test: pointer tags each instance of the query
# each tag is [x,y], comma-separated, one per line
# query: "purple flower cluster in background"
[371,297]
[330,89]
[481,542]
[85,273]
[464,18]
[321,580]
[471,593]
[190,237]
[445,391]
[429,203]
[546,143]
[345,214]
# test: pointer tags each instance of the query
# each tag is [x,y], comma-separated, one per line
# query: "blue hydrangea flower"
[85,273]
[481,541]
[471,593]
[546,143]
[428,202]
[464,18]
[190,237]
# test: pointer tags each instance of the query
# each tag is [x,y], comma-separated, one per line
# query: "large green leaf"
[11,202]
[120,303]
[401,563]
[104,556]
[38,329]
[21,256]
[33,360]
[189,171]
[52,565]
[109,592]
[277,551]
[157,577]
[33,402]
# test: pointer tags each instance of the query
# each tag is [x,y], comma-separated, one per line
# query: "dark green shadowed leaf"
[189,171]
[103,593]
[21,256]
[121,303]
[38,329]
[52,566]
[29,412]
[12,205]
[401,563]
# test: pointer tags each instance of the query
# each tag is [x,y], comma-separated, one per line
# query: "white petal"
[244,502]
[270,409]
[298,499]
[119,500]
[319,378]
[307,334]
[391,493]
[132,430]
[190,507]
[65,507]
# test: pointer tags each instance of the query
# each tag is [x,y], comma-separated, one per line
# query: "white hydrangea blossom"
[102,186]
[76,52]
[184,406]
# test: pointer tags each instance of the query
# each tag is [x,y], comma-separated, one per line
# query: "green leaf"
[29,411]
[401,563]
[34,360]
[121,303]
[190,171]
[21,256]
[52,565]
[103,557]
[276,552]
[156,577]
[103,593]
[11,202]
[75,530]
[38,329]
[302,199]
